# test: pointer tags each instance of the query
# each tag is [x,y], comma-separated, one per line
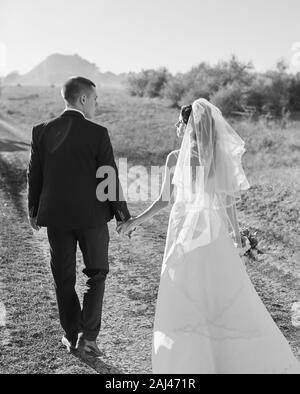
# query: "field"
[143,131]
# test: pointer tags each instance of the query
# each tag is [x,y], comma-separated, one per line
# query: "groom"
[65,155]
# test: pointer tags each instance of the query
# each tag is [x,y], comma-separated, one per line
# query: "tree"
[294,93]
[157,82]
[277,96]
[229,99]
[232,71]
[137,82]
[148,83]
[174,90]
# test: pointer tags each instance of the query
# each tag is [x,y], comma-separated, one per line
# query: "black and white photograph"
[149,189]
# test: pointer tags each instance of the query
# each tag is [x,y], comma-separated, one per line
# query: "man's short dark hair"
[74,87]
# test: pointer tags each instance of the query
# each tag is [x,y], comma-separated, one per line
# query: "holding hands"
[127,227]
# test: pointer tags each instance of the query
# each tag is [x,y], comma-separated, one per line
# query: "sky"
[128,35]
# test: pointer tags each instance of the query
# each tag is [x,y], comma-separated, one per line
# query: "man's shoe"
[88,348]
[71,347]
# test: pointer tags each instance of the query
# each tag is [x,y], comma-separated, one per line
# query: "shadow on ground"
[7,145]
[98,365]
[13,181]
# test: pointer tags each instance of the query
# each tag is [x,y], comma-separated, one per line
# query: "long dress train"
[209,318]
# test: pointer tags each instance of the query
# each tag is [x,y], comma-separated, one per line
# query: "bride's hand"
[127,227]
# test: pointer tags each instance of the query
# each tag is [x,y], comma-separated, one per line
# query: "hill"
[56,68]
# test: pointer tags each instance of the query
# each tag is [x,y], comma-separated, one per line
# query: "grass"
[143,131]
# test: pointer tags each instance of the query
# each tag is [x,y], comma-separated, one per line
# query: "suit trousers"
[93,244]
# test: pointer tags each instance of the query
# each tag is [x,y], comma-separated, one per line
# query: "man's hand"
[126,227]
[32,222]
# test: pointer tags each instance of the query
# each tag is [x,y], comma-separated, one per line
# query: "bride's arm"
[164,197]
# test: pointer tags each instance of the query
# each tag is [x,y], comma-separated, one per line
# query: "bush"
[199,82]
[205,81]
[174,91]
[229,99]
[195,93]
[148,83]
[257,92]
[232,72]
[232,85]
[137,83]
[277,93]
[156,83]
[294,93]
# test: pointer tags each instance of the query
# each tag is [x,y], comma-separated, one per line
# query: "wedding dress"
[209,318]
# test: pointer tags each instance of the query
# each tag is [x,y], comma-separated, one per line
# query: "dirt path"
[29,327]
[30,330]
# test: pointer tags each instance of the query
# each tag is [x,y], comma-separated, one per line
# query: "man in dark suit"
[66,153]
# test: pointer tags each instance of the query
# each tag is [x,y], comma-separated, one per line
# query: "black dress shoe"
[88,348]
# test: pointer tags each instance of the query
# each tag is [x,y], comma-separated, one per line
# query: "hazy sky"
[124,35]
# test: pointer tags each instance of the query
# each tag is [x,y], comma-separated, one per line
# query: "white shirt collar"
[73,109]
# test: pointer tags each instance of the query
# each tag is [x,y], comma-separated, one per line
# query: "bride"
[209,318]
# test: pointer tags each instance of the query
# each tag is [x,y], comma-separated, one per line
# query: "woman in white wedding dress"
[209,318]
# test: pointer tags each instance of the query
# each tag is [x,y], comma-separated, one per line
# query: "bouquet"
[249,244]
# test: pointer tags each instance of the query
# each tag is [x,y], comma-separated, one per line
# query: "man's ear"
[83,99]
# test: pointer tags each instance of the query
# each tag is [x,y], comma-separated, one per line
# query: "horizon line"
[211,64]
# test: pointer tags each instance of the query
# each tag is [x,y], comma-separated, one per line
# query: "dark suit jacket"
[65,155]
